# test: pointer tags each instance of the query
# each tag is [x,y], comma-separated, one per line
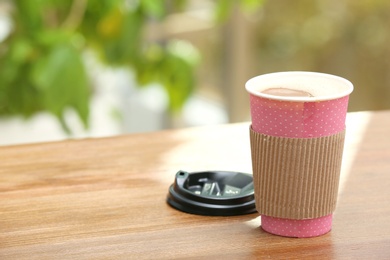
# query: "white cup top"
[321,86]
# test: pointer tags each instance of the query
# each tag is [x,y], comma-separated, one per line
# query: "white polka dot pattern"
[298,120]
[297,228]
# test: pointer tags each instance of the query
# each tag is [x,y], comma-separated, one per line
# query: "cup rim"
[251,83]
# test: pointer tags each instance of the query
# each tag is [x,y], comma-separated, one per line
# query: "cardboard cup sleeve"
[296,178]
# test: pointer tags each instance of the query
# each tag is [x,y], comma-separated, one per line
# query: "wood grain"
[105,199]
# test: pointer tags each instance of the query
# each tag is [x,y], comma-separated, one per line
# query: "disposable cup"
[313,107]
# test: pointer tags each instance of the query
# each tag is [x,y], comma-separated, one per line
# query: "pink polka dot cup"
[300,109]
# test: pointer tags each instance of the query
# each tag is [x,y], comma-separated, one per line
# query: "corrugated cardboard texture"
[296,178]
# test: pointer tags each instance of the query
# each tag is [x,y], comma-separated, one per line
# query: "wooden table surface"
[106,198]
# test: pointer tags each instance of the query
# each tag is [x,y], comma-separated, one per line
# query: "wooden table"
[106,198]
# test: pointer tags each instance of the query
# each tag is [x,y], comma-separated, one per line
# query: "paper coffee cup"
[298,123]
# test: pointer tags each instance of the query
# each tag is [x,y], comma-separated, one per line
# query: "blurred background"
[96,68]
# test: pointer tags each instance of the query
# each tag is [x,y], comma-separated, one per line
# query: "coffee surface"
[286,92]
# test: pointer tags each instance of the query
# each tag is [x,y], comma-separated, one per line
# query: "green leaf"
[147,66]
[110,24]
[62,80]
[50,37]
[153,8]
[20,51]
[178,79]
[123,45]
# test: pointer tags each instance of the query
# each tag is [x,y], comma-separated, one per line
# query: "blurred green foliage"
[41,60]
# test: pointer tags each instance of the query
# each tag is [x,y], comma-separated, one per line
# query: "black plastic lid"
[213,193]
